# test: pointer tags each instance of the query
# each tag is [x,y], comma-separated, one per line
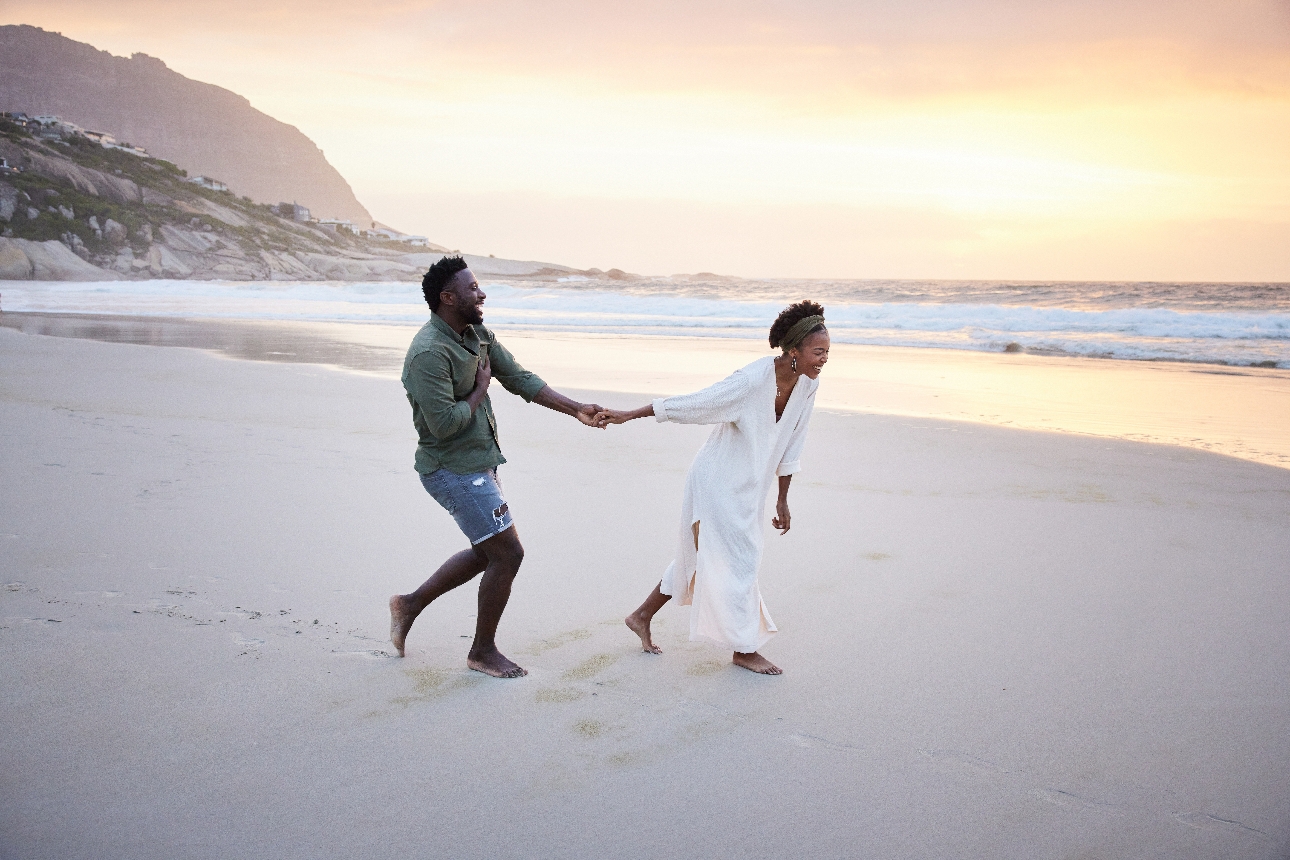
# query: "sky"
[1129,140]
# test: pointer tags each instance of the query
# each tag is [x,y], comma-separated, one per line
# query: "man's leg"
[404,608]
[504,554]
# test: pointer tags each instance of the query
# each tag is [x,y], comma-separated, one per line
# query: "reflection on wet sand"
[244,339]
[1239,412]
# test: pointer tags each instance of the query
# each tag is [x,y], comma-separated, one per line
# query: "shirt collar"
[442,326]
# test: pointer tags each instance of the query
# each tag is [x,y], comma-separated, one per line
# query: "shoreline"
[1235,411]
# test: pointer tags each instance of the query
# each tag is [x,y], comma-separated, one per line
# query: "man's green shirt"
[438,373]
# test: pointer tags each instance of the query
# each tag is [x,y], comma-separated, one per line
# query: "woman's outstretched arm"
[718,403]
[621,416]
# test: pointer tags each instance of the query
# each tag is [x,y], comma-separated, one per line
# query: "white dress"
[725,492]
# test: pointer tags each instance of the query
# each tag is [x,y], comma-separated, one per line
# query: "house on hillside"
[23,121]
[6,169]
[51,127]
[395,236]
[294,211]
[207,182]
[102,138]
[334,224]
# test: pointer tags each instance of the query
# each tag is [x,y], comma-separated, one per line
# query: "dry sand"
[997,642]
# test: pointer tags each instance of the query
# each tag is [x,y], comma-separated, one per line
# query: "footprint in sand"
[590,728]
[559,640]
[589,668]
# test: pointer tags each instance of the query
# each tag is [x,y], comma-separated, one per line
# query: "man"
[446,375]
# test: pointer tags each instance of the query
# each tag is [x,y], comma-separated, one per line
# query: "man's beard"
[476,315]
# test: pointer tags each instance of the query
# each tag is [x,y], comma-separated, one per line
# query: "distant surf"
[1233,324]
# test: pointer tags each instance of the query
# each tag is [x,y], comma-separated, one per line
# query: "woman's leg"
[639,620]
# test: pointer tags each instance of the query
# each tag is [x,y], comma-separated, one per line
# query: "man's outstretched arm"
[584,412]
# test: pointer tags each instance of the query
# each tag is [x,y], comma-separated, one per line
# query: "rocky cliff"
[73,210]
[206,129]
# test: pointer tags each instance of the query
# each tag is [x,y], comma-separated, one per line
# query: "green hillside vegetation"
[72,186]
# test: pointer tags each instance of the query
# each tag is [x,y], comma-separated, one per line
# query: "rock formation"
[76,211]
[206,129]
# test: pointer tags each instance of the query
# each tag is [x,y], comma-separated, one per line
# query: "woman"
[761,413]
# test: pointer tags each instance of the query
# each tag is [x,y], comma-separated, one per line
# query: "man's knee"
[504,549]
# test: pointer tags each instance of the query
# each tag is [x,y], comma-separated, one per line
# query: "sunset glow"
[974,140]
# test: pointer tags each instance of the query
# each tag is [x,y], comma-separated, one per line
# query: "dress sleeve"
[430,384]
[719,403]
[791,462]
[511,375]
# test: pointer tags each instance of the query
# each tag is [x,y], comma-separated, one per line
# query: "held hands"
[605,417]
[595,415]
[782,519]
[589,414]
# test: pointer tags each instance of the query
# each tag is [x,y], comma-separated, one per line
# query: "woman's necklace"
[779,392]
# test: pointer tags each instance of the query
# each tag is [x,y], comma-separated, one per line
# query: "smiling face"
[812,353]
[463,294]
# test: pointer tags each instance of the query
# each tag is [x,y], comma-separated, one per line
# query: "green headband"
[799,331]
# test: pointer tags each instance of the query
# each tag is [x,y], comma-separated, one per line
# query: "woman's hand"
[782,519]
[606,417]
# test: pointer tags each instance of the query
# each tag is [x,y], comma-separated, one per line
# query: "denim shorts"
[474,500]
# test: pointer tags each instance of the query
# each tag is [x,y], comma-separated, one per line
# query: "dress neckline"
[775,386]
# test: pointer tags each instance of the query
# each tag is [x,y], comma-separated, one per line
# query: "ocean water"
[1234,324]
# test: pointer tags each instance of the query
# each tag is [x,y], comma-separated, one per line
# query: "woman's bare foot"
[640,626]
[401,618]
[754,662]
[494,663]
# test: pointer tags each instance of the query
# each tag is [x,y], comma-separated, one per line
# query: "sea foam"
[1227,323]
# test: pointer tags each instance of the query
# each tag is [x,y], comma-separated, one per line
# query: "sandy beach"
[998,641]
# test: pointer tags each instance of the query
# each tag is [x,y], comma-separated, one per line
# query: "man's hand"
[782,519]
[483,375]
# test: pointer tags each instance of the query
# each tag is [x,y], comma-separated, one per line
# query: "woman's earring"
[795,364]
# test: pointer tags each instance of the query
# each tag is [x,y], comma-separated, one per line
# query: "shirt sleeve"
[791,462]
[430,384]
[511,375]
[719,403]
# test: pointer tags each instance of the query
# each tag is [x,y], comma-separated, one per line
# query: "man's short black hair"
[437,278]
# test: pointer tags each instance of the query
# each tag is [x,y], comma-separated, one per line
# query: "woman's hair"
[438,277]
[792,315]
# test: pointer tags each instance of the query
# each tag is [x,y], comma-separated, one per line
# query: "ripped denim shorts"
[474,500]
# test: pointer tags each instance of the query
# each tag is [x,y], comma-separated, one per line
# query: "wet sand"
[1238,411]
[997,642]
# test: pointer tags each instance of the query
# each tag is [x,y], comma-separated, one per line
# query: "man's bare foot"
[401,618]
[640,626]
[754,662]
[494,663]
